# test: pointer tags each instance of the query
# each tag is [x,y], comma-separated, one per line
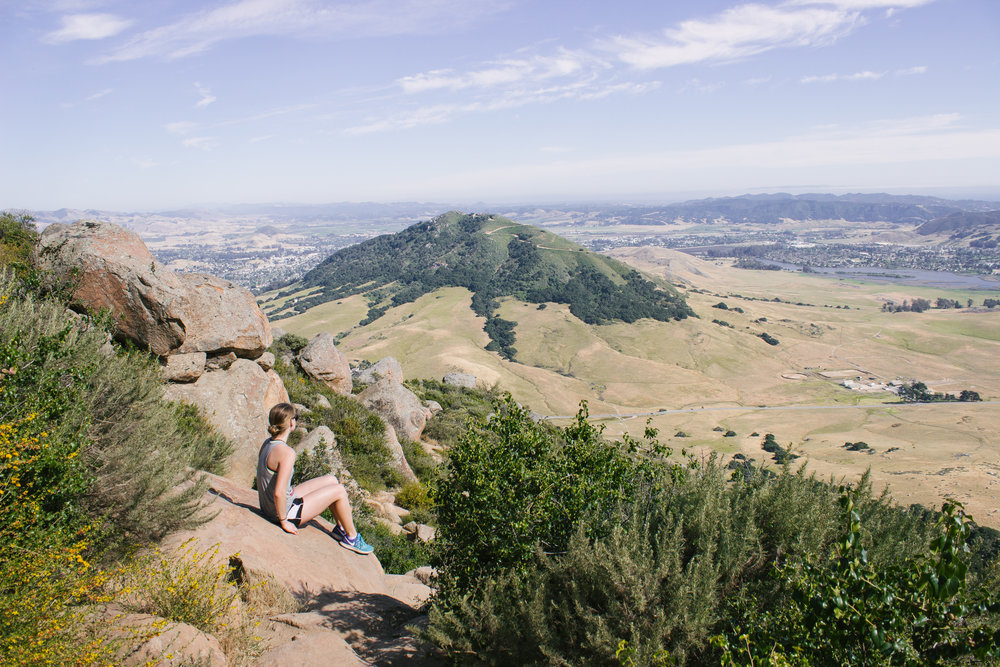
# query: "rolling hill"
[492,257]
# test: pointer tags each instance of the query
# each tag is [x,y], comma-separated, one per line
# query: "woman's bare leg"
[321,493]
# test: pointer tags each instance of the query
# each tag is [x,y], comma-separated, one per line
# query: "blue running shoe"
[357,545]
[338,533]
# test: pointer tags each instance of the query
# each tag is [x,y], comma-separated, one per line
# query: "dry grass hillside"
[699,376]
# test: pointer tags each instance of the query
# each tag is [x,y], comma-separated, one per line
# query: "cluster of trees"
[917,392]
[560,547]
[920,305]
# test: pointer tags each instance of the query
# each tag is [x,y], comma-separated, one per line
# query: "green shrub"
[459,405]
[844,608]
[414,496]
[108,409]
[421,463]
[398,554]
[512,484]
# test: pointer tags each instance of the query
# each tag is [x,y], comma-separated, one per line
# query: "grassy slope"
[619,368]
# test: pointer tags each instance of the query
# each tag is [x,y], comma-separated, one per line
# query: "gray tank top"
[266,479]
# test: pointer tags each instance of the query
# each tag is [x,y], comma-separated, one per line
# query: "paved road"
[750,408]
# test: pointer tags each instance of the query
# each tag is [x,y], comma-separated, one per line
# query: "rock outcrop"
[205,329]
[397,405]
[236,402]
[110,267]
[321,360]
[347,599]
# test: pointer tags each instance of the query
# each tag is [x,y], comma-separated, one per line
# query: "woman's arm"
[283,464]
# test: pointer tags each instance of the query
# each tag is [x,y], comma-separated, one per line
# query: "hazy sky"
[153,104]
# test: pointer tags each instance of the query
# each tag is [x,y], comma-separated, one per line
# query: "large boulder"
[221,316]
[236,403]
[397,405]
[383,368]
[321,360]
[110,267]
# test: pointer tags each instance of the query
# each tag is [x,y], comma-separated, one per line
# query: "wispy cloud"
[99,94]
[738,32]
[203,143]
[612,66]
[181,128]
[856,76]
[145,163]
[866,75]
[206,96]
[440,113]
[87,26]
[199,31]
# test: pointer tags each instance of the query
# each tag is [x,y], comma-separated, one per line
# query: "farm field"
[828,330]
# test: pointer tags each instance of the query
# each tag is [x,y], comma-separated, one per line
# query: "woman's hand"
[289,527]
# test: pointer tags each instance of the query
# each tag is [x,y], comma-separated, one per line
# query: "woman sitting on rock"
[293,507]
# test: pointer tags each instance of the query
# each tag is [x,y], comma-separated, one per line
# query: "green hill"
[493,257]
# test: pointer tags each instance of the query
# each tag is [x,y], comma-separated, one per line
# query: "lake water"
[916,277]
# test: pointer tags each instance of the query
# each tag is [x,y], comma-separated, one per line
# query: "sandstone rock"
[312,648]
[398,458]
[175,644]
[460,380]
[384,368]
[301,409]
[156,308]
[433,407]
[220,315]
[397,405]
[266,361]
[323,402]
[425,533]
[183,367]
[277,332]
[236,402]
[116,271]
[308,564]
[393,527]
[286,357]
[321,360]
[220,361]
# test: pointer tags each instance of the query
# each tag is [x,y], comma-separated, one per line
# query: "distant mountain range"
[773,208]
[493,257]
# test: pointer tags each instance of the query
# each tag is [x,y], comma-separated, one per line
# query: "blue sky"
[158,104]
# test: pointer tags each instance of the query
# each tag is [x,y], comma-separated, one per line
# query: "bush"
[107,410]
[688,555]
[843,608]
[414,496]
[398,554]
[512,484]
[90,458]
